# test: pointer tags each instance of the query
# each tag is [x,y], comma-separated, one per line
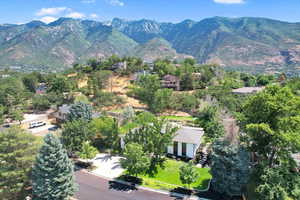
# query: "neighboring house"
[41,88]
[119,66]
[62,113]
[64,110]
[170,81]
[5,75]
[186,142]
[247,90]
[136,76]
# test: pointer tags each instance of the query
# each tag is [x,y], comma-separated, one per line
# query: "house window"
[175,148]
[183,149]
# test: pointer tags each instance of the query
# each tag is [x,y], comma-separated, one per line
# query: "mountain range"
[247,44]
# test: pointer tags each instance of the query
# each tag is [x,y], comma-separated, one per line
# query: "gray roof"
[64,109]
[247,90]
[189,135]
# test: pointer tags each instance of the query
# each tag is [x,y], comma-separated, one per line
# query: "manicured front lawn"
[168,178]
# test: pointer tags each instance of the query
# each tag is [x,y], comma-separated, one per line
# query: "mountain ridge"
[247,43]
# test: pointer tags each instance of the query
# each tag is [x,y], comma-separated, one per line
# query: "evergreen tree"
[17,154]
[80,110]
[52,174]
[230,168]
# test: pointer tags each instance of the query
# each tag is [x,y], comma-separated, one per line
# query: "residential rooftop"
[191,135]
[247,90]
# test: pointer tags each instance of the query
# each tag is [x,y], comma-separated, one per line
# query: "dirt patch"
[119,85]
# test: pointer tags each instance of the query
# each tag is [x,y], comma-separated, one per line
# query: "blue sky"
[21,11]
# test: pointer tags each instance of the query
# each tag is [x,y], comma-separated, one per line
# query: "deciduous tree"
[188,174]
[88,151]
[40,102]
[75,133]
[272,124]
[136,161]
[278,183]
[154,137]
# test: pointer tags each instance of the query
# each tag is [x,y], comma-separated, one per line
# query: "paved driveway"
[107,166]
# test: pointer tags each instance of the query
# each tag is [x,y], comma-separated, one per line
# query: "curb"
[174,194]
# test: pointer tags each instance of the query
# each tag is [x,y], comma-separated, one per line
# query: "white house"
[186,142]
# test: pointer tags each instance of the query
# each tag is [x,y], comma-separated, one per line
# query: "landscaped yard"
[168,178]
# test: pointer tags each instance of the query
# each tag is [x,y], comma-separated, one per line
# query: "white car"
[36,124]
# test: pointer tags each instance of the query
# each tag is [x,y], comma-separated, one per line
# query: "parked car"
[54,128]
[6,125]
[36,124]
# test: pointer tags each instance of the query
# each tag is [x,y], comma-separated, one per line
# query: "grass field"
[168,178]
[179,118]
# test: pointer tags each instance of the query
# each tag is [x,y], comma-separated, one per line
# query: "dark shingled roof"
[190,135]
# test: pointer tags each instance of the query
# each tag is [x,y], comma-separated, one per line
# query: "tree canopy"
[271,120]
[135,160]
[17,154]
[230,168]
[188,174]
[52,174]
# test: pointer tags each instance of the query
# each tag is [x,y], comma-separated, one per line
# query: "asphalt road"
[95,188]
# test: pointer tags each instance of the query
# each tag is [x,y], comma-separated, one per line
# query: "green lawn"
[168,178]
[178,118]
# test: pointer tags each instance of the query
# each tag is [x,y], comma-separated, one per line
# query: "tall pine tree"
[52,174]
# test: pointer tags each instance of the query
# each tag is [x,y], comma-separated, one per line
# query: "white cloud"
[51,11]
[48,19]
[76,15]
[116,2]
[94,16]
[88,1]
[230,1]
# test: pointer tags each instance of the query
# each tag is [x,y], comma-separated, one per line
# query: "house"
[137,75]
[119,66]
[186,142]
[62,113]
[170,81]
[64,110]
[5,75]
[247,90]
[41,88]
